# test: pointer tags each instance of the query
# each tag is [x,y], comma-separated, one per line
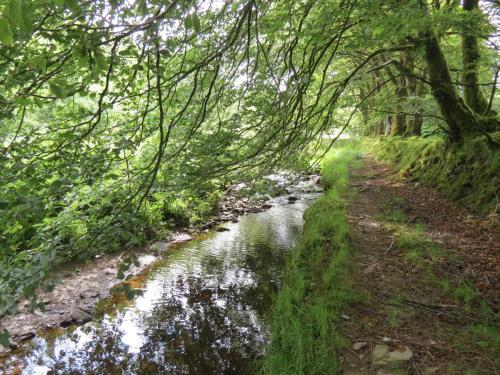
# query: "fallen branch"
[390,247]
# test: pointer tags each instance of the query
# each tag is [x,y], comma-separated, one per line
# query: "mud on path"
[427,275]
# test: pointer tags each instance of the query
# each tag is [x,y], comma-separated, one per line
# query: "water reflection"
[201,311]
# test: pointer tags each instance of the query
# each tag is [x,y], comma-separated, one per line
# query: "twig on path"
[390,247]
[387,340]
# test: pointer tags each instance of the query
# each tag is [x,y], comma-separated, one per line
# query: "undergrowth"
[469,173]
[304,339]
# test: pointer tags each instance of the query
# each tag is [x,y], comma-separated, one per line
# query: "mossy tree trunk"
[413,126]
[398,121]
[365,112]
[379,128]
[398,126]
[388,124]
[473,96]
[458,116]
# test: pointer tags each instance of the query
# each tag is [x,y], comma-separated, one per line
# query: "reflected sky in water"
[201,311]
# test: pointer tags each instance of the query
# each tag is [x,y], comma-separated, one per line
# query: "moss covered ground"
[468,173]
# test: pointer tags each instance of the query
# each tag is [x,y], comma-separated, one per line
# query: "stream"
[202,310]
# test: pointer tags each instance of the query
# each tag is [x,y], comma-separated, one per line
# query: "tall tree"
[473,95]
[459,118]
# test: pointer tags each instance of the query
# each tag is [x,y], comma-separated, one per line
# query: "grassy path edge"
[304,339]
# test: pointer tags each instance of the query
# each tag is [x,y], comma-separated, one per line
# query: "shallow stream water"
[202,310]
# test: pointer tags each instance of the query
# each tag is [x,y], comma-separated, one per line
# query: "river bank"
[389,278]
[386,277]
[83,285]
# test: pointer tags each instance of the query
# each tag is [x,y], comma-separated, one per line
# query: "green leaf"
[14,13]
[188,22]
[81,54]
[6,36]
[22,101]
[19,14]
[71,4]
[83,61]
[41,63]
[27,17]
[142,7]
[192,21]
[101,60]
[4,338]
[58,91]
[196,23]
[378,30]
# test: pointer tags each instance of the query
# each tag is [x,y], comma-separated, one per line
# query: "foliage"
[120,119]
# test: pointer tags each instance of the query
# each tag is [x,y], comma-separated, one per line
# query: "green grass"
[315,288]
[393,210]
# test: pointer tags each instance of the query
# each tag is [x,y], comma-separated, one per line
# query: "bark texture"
[473,95]
[457,114]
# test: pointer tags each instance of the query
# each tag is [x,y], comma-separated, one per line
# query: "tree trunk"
[401,83]
[365,113]
[458,116]
[414,127]
[398,126]
[473,96]
[387,124]
[378,130]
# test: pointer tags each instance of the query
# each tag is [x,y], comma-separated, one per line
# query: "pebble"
[13,344]
[359,345]
[80,316]
[430,371]
[383,357]
[26,335]
[39,313]
[90,293]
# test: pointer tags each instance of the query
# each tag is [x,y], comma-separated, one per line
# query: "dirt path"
[427,278]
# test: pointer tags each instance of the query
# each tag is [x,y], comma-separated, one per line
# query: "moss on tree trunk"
[456,113]
[473,96]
